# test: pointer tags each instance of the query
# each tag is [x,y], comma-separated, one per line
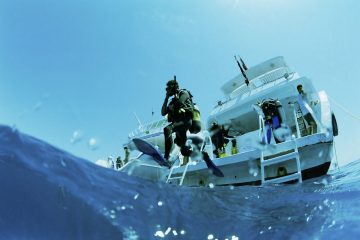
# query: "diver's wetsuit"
[180,115]
[272,118]
[219,138]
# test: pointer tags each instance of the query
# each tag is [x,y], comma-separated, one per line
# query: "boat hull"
[315,161]
[315,154]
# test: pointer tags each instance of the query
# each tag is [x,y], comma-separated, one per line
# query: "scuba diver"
[234,149]
[219,137]
[180,114]
[274,119]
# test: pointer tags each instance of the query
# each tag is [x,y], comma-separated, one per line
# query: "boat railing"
[300,125]
[298,134]
[149,128]
[281,73]
[258,83]
[261,122]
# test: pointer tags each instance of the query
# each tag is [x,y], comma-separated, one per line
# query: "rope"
[336,157]
[344,109]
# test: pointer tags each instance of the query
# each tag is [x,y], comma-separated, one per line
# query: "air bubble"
[63,163]
[93,143]
[167,231]
[76,136]
[159,234]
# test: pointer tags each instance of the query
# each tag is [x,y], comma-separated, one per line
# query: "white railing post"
[297,125]
[260,128]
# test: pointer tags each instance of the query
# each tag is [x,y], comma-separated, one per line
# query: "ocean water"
[46,193]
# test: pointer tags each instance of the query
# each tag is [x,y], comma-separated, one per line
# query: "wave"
[47,193]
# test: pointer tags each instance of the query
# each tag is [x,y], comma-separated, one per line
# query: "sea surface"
[47,193]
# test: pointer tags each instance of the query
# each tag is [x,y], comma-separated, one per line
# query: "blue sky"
[87,66]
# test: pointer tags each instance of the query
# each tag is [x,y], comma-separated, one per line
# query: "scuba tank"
[196,120]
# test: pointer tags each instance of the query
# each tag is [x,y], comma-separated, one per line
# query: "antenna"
[242,70]
[243,64]
[137,118]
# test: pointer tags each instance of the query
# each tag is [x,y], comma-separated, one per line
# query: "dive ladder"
[284,156]
[170,177]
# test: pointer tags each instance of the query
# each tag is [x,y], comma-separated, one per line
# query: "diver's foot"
[166,157]
[185,161]
[167,162]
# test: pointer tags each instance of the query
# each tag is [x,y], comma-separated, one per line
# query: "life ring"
[334,125]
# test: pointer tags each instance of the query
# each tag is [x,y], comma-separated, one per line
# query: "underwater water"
[46,193]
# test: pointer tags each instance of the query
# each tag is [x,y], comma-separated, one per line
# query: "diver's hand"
[168,95]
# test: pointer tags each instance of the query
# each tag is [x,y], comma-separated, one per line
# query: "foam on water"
[47,193]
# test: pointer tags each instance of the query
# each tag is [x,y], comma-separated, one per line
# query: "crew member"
[119,162]
[305,109]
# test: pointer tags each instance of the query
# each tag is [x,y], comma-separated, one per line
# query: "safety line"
[344,109]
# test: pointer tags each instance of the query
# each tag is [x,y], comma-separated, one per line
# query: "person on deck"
[305,109]
[119,162]
[179,113]
[127,155]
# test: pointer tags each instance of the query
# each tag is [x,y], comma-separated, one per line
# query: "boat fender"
[334,125]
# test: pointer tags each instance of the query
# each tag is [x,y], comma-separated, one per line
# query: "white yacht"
[275,134]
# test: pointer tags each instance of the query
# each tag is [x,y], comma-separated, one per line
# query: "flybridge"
[274,71]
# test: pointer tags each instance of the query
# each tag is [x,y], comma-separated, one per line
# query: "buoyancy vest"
[190,110]
[179,108]
[188,105]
